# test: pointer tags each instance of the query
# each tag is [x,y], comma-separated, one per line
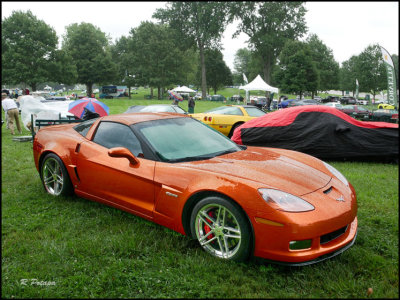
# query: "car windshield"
[184,139]
[254,112]
[226,110]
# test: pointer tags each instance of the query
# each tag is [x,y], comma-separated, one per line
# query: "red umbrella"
[77,107]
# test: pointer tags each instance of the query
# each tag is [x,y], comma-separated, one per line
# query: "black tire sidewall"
[246,235]
[67,186]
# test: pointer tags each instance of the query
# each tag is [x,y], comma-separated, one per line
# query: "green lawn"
[74,248]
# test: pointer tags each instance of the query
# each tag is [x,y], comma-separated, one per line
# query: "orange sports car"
[171,169]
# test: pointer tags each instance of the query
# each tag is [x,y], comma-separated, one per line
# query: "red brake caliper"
[207,228]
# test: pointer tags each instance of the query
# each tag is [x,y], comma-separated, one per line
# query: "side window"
[111,134]
[84,127]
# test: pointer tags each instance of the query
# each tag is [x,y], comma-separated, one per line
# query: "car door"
[114,179]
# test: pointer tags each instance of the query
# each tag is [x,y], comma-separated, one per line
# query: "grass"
[76,248]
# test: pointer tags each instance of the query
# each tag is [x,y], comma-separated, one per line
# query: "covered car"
[323,132]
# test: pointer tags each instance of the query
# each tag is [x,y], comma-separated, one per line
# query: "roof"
[258,84]
[133,118]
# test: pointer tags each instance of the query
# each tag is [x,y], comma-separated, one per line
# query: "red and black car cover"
[321,131]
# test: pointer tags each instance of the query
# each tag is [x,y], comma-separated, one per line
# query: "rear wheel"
[54,176]
[233,129]
[221,228]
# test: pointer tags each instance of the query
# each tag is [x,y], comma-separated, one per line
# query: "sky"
[347,28]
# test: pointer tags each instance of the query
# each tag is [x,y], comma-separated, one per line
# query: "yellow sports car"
[385,106]
[227,118]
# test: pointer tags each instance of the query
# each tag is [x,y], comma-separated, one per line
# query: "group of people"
[11,112]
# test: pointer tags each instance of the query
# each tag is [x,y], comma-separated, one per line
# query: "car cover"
[323,132]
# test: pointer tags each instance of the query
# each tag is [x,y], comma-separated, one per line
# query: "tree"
[89,47]
[328,68]
[348,75]
[371,71]
[197,23]
[28,45]
[218,73]
[122,55]
[269,25]
[241,62]
[296,71]
[156,59]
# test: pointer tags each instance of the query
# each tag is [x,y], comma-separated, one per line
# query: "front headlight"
[336,173]
[284,201]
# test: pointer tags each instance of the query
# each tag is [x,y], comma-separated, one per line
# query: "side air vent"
[328,191]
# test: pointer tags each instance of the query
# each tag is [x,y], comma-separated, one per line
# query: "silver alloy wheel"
[218,231]
[52,176]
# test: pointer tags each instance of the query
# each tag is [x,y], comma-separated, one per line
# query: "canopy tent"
[183,89]
[258,84]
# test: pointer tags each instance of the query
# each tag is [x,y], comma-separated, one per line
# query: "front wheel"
[54,176]
[221,228]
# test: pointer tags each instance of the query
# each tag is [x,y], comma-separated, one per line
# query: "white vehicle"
[362,102]
[334,104]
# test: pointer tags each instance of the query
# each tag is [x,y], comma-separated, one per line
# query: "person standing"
[11,109]
[191,105]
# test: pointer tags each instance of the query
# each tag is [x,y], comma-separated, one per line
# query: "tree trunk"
[33,85]
[159,93]
[203,73]
[129,92]
[89,89]
[267,73]
[151,93]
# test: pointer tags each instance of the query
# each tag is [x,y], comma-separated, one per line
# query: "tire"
[54,176]
[221,228]
[233,129]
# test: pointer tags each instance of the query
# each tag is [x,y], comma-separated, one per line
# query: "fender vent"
[328,191]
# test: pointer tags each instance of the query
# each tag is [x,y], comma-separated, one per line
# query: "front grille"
[326,238]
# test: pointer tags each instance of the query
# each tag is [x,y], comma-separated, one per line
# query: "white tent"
[183,89]
[258,84]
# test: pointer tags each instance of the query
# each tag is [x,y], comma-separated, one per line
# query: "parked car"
[386,106]
[170,169]
[333,104]
[198,96]
[362,102]
[318,98]
[347,100]
[355,111]
[330,99]
[286,103]
[306,102]
[258,101]
[384,115]
[226,118]
[55,98]
[217,98]
[323,132]
[156,108]
[237,98]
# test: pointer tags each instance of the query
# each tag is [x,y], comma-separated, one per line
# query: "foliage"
[328,68]
[296,70]
[269,25]
[371,71]
[197,23]
[348,74]
[156,60]
[28,46]
[89,48]
[218,73]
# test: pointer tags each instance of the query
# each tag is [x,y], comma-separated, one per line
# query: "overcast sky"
[345,27]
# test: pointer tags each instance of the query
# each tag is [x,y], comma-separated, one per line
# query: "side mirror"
[123,152]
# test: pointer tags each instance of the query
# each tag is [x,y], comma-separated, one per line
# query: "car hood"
[289,171]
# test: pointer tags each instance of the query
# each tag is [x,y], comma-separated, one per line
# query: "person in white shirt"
[11,109]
